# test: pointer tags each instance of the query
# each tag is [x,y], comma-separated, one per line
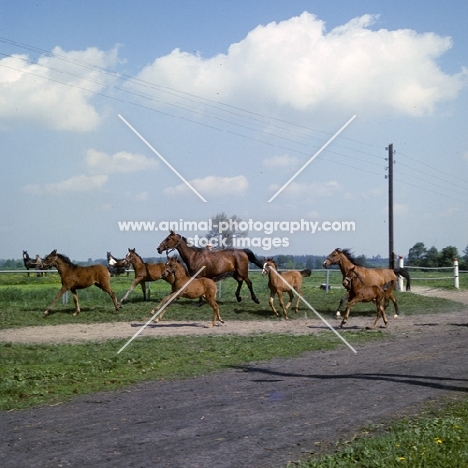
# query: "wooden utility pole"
[391,255]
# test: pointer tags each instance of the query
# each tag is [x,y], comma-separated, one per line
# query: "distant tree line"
[419,255]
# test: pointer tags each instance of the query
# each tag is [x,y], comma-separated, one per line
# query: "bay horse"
[197,288]
[75,277]
[370,276]
[359,292]
[219,264]
[292,278]
[116,266]
[144,272]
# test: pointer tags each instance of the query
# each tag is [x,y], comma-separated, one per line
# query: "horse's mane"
[350,256]
[137,255]
[66,260]
[193,247]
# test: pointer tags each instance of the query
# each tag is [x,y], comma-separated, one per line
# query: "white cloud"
[81,183]
[99,162]
[212,186]
[56,90]
[279,162]
[297,64]
[315,189]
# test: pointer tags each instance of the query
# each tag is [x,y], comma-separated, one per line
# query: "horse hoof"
[396,316]
[239,298]
[338,314]
[257,301]
[46,313]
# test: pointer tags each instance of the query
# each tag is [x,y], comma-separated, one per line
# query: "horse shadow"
[167,325]
[416,380]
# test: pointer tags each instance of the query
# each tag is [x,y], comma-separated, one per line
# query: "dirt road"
[260,415]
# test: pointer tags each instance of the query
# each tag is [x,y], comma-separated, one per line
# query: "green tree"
[431,259]
[446,256]
[417,254]
[464,259]
[229,234]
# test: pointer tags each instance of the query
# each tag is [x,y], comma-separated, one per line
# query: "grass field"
[23,300]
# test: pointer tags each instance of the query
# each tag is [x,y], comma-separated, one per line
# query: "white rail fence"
[455,275]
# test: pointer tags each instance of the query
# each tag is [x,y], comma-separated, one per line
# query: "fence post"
[327,285]
[400,279]
[219,289]
[65,298]
[456,283]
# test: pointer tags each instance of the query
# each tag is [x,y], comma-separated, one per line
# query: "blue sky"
[237,96]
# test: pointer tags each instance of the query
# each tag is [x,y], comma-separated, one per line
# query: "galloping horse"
[369,276]
[144,272]
[218,264]
[292,278]
[358,292]
[77,277]
[116,266]
[198,287]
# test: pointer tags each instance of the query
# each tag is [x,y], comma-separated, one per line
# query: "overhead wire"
[231,115]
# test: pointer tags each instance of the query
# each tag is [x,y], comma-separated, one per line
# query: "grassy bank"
[437,437]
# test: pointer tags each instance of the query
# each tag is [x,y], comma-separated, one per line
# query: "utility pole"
[391,255]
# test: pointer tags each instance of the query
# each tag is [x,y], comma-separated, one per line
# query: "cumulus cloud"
[296,64]
[103,163]
[55,91]
[212,186]
[80,183]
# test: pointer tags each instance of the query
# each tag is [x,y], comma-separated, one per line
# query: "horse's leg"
[271,302]
[143,289]
[62,291]
[239,286]
[280,298]
[299,294]
[106,287]
[348,310]
[210,298]
[75,300]
[252,294]
[132,287]
[342,301]
[162,305]
[395,304]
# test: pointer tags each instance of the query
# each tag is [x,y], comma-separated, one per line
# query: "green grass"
[23,300]
[46,374]
[435,438]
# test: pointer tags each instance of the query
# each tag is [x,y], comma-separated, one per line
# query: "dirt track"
[258,415]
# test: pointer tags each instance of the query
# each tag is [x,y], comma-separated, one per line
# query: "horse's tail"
[404,273]
[252,258]
[305,272]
